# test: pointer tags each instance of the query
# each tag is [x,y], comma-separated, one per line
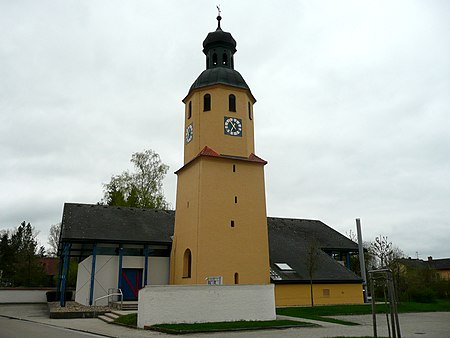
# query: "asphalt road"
[17,328]
[31,321]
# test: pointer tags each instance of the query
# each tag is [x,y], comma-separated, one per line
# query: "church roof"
[100,223]
[220,75]
[289,243]
[288,238]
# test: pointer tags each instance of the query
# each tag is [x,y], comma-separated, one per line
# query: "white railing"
[111,293]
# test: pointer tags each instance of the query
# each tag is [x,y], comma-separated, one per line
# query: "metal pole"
[91,290]
[362,263]
[145,264]
[374,315]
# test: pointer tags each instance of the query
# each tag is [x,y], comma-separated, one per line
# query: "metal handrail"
[119,293]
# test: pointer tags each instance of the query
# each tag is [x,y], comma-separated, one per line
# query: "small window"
[187,264]
[326,292]
[225,59]
[231,102]
[234,168]
[283,266]
[236,278]
[206,102]
[190,110]
[235,199]
[250,115]
[215,59]
[232,223]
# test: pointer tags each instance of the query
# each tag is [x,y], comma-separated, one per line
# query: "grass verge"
[229,326]
[318,312]
[129,320]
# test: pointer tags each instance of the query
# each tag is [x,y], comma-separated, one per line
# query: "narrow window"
[235,199]
[206,102]
[236,278]
[234,168]
[187,264]
[225,59]
[214,59]
[231,102]
[190,110]
[250,115]
[187,204]
[232,223]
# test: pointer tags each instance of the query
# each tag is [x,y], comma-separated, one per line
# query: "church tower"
[220,231]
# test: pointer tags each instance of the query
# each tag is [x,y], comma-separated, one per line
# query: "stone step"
[106,318]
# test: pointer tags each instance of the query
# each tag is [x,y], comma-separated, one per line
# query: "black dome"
[220,75]
[219,38]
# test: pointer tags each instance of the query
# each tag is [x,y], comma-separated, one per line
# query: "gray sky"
[353,111]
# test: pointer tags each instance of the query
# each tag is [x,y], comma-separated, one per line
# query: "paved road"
[34,322]
[17,328]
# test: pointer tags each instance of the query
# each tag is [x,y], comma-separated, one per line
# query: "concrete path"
[430,325]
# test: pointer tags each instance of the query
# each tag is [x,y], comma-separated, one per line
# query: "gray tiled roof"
[91,222]
[288,238]
[289,242]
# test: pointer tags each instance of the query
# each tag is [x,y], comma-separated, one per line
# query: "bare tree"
[312,263]
[53,239]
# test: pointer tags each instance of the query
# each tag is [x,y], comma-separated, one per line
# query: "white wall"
[107,274]
[205,303]
[23,295]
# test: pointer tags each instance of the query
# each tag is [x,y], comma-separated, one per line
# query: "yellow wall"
[205,206]
[300,294]
[208,126]
[444,274]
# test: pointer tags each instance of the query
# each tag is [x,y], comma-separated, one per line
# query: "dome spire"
[218,18]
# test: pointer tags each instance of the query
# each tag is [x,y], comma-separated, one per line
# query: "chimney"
[430,258]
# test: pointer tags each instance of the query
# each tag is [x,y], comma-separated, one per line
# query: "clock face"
[189,133]
[232,126]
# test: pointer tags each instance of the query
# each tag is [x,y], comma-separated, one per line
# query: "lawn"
[318,312]
[131,320]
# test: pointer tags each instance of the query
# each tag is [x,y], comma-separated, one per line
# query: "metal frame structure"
[393,324]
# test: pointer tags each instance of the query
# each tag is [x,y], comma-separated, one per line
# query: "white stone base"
[170,304]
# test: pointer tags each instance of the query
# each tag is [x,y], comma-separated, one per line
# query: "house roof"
[440,264]
[291,239]
[437,264]
[91,222]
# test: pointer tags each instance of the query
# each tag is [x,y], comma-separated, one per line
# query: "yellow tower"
[220,222]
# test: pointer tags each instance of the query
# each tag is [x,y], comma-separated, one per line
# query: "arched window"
[215,59]
[206,102]
[250,115]
[187,264]
[190,110]
[225,59]
[236,278]
[231,102]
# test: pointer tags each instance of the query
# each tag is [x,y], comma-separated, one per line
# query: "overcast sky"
[353,111]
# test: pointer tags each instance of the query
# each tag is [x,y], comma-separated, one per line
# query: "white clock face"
[232,126]
[189,133]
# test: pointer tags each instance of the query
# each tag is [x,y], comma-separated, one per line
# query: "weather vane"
[218,9]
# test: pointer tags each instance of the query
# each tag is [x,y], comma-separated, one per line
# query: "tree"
[312,263]
[384,251]
[19,251]
[141,188]
[53,238]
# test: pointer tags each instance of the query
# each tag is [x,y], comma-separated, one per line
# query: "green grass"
[230,325]
[130,319]
[318,312]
